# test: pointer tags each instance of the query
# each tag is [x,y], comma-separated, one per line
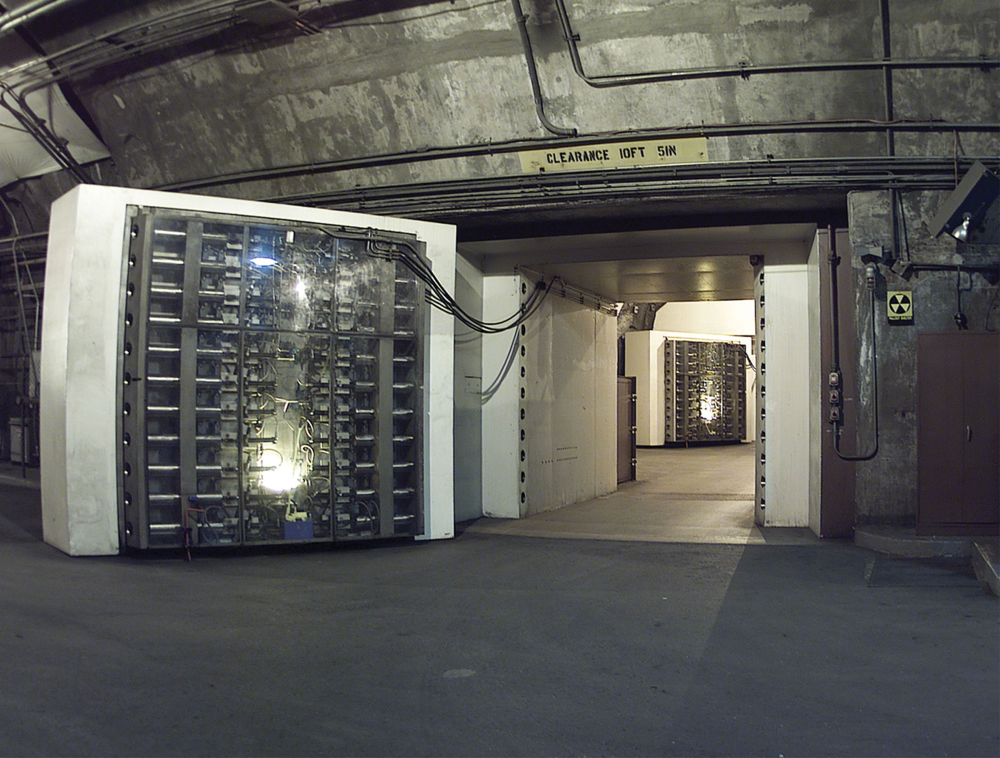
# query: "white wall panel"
[644,361]
[79,390]
[786,405]
[605,461]
[500,401]
[714,317]
[569,424]
[468,395]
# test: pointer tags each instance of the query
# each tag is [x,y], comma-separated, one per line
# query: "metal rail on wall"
[571,292]
[745,69]
[541,191]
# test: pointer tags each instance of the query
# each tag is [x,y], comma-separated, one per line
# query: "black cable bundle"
[436,294]
[440,298]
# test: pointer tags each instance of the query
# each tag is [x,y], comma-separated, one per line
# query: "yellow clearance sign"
[658,152]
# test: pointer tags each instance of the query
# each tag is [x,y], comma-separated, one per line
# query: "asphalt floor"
[492,645]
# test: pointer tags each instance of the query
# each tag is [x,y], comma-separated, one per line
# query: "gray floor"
[493,645]
[698,494]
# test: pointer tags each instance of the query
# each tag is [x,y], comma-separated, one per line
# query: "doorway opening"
[694,492]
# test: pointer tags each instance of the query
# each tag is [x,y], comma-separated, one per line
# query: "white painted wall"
[500,400]
[787,376]
[79,380]
[468,395]
[80,332]
[565,364]
[644,361]
[569,379]
[707,317]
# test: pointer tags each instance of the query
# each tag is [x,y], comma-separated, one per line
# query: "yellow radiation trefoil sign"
[654,152]
[899,305]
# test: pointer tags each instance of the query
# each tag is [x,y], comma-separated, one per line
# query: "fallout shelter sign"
[900,306]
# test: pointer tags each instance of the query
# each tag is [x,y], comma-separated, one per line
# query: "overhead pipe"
[890,111]
[22,237]
[890,137]
[536,89]
[87,56]
[43,135]
[109,47]
[514,146]
[29,11]
[746,70]
[440,199]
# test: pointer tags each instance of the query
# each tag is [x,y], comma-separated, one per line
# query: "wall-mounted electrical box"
[264,376]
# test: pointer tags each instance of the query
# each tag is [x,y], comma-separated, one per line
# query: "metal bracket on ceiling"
[268,13]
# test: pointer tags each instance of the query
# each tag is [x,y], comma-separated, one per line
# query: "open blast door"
[222,373]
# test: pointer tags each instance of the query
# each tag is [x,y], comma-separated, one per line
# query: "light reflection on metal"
[284,478]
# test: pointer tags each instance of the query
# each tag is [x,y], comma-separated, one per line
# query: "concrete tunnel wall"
[447,75]
[437,77]
[886,487]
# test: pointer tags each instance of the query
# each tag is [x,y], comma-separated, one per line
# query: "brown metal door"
[981,434]
[626,429]
[939,430]
[958,433]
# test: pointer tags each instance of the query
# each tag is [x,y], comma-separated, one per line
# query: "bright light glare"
[708,405]
[961,232]
[300,287]
[263,261]
[281,479]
